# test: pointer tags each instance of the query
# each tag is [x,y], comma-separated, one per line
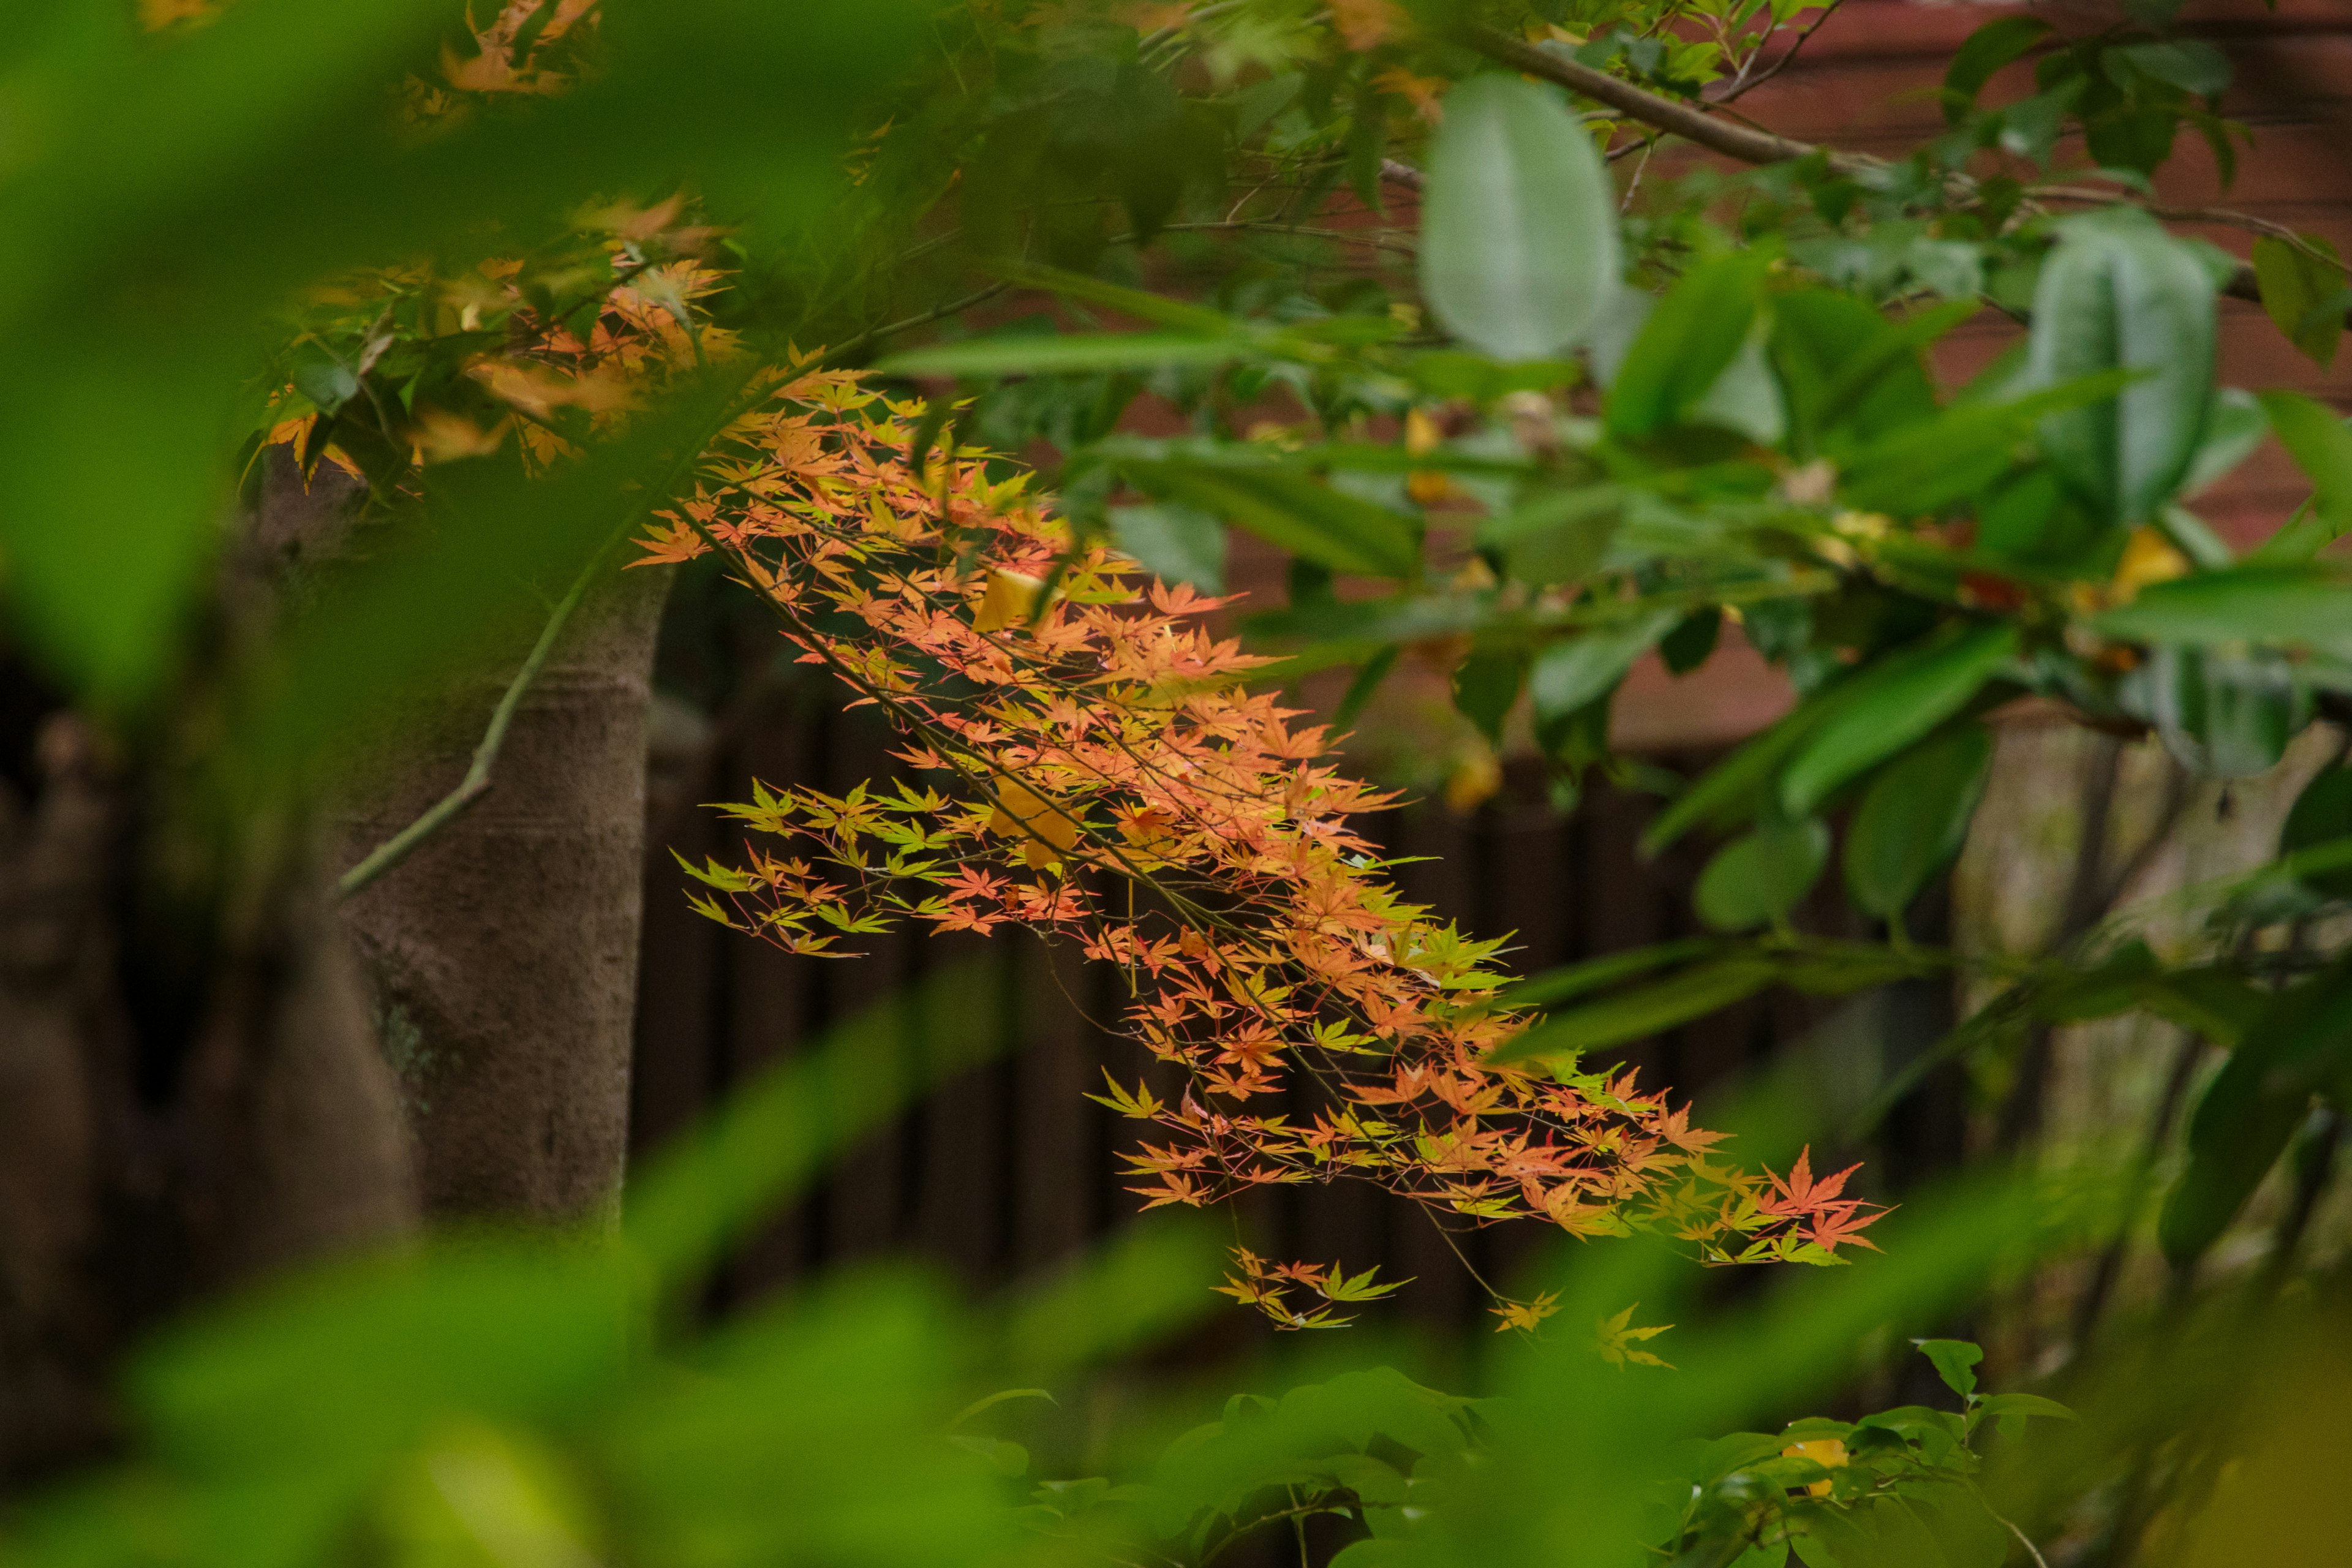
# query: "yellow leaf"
[1827,1452]
[2148,557]
[1022,811]
[1011,599]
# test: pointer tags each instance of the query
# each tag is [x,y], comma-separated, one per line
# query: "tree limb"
[1742,144]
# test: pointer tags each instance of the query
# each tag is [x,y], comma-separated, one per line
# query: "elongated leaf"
[1556,536]
[1486,685]
[1732,787]
[1027,355]
[2321,446]
[2224,712]
[1928,464]
[2247,603]
[1292,510]
[2303,292]
[1849,372]
[1564,985]
[2322,813]
[1913,818]
[1574,671]
[2120,294]
[1892,704]
[1638,1013]
[1176,315]
[2239,421]
[2301,1045]
[1518,221]
[1759,878]
[1988,49]
[1688,340]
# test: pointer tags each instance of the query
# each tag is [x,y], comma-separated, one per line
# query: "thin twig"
[1747,84]
[871,335]
[478,780]
[2027,1542]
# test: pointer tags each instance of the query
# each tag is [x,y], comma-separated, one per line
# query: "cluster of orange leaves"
[1086,761]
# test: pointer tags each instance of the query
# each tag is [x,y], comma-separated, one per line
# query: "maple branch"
[477,782]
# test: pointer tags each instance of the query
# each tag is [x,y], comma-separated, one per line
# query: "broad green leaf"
[1556,536]
[1893,703]
[1175,543]
[2301,1045]
[2189,64]
[1846,368]
[2120,293]
[2322,813]
[1955,1361]
[1988,49]
[2303,293]
[1687,342]
[1928,464]
[2246,604]
[2321,446]
[1913,818]
[1760,878]
[2224,712]
[1633,1014]
[1292,510]
[1485,685]
[1518,220]
[2237,425]
[1574,671]
[1036,355]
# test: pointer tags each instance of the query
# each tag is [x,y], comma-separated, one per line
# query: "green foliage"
[1519,235]
[1648,406]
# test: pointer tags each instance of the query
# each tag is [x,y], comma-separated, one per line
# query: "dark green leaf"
[1913,818]
[1955,1361]
[2246,604]
[2301,1045]
[1692,642]
[2296,288]
[1988,49]
[1891,704]
[1558,536]
[2120,293]
[2322,813]
[2321,445]
[1577,670]
[1687,342]
[1485,685]
[1518,220]
[1759,878]
[2224,712]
